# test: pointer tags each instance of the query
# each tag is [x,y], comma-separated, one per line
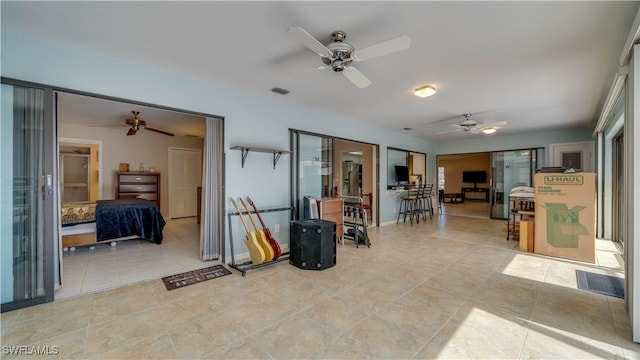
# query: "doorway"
[325,166]
[463,180]
[107,144]
[79,169]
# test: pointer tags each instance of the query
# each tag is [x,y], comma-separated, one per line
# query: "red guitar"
[272,241]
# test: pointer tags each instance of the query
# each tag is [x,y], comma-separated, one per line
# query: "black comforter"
[128,217]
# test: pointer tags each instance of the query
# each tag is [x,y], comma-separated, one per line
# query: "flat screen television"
[474,177]
[402,173]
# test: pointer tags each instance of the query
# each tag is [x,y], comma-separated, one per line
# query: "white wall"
[147,147]
[480,142]
[249,120]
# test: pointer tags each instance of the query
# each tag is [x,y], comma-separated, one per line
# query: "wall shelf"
[276,152]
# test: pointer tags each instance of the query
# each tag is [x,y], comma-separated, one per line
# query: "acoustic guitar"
[262,240]
[275,245]
[255,250]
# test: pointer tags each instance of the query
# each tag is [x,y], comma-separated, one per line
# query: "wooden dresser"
[332,209]
[138,185]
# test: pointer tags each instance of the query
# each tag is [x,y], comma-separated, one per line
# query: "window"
[440,177]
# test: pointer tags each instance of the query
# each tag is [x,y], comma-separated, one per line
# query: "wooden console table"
[475,193]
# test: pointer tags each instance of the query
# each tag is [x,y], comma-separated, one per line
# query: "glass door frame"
[49,192]
[534,162]
[618,221]
[294,166]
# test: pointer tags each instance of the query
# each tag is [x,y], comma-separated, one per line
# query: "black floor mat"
[601,284]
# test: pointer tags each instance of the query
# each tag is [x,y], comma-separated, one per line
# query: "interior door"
[185,175]
[27,196]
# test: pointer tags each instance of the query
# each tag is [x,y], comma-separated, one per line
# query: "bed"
[90,223]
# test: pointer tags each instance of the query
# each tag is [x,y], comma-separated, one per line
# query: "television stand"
[475,193]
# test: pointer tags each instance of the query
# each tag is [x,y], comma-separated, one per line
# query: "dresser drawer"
[138,178]
[146,196]
[138,187]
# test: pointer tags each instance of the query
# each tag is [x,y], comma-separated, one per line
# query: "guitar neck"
[246,228]
[257,213]
[246,207]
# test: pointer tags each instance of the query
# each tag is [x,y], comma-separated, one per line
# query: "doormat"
[194,277]
[601,284]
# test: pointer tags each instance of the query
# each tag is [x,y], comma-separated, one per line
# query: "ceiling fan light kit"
[471,126]
[424,91]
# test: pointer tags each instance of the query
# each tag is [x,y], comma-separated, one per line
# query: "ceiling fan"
[469,125]
[135,125]
[339,55]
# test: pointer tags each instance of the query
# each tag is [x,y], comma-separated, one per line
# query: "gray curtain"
[212,223]
[28,224]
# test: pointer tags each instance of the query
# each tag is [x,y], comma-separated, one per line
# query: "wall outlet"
[277,228]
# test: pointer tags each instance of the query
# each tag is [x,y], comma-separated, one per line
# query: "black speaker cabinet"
[313,244]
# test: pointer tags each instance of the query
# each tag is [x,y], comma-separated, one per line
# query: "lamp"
[424,91]
[489,130]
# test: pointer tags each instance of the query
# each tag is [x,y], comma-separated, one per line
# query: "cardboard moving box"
[566,215]
[527,235]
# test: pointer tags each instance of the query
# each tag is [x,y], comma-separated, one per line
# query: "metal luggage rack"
[248,265]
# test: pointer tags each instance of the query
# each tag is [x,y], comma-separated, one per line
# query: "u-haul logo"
[564,180]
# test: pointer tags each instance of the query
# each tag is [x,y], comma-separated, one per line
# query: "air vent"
[280,91]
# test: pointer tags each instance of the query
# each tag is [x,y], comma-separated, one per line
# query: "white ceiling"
[536,65]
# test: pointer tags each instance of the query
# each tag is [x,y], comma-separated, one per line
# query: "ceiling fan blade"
[132,131]
[294,76]
[448,131]
[104,125]
[159,131]
[309,41]
[476,130]
[356,77]
[383,48]
[497,123]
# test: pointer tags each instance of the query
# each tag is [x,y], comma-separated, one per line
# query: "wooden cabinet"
[138,185]
[476,193]
[331,209]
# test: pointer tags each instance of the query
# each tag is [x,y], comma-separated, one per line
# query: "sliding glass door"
[313,164]
[510,169]
[27,196]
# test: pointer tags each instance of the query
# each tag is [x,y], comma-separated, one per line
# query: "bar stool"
[427,202]
[409,203]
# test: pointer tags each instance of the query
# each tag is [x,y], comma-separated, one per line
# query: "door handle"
[49,184]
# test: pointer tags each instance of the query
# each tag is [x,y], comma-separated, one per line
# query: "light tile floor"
[450,287]
[104,267]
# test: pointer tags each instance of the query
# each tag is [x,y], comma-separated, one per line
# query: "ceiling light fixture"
[489,130]
[424,91]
